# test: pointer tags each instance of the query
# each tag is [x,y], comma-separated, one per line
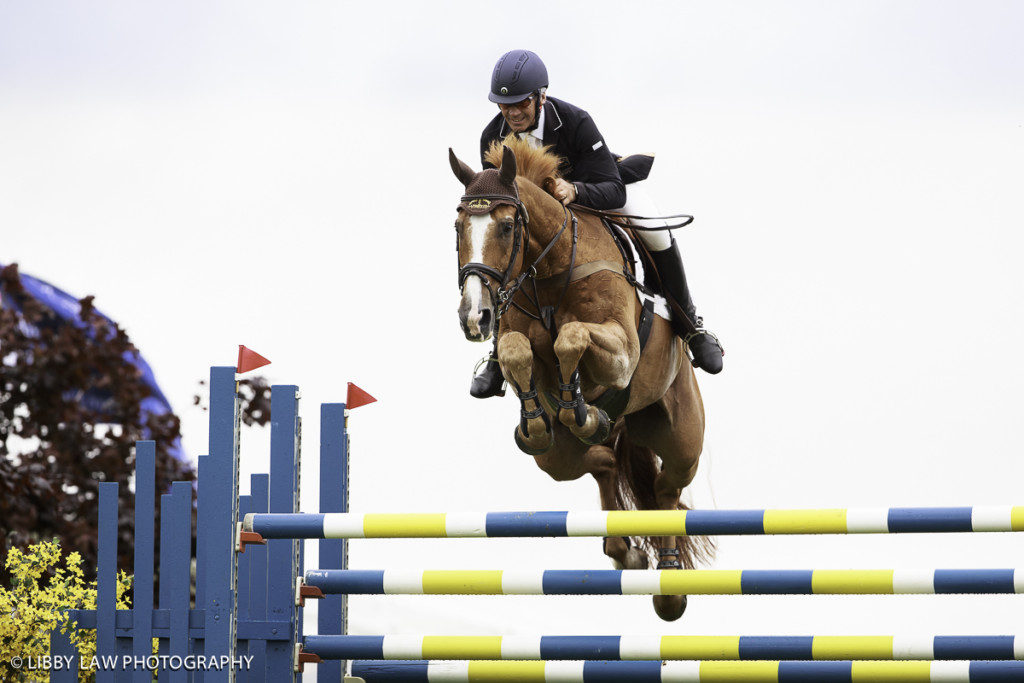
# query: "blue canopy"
[67,309]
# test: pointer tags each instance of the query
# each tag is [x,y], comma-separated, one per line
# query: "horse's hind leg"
[674,429]
[533,434]
[610,364]
[600,462]
[674,552]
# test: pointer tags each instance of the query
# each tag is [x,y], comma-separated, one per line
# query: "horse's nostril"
[485,319]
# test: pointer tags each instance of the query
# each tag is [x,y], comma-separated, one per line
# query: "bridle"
[485,272]
[507,286]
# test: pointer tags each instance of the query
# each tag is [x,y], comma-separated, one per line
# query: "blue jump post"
[246,621]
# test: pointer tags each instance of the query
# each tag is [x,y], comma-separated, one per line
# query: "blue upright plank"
[164,595]
[282,554]
[123,639]
[259,487]
[175,571]
[106,577]
[62,647]
[333,498]
[204,516]
[245,506]
[220,596]
[142,586]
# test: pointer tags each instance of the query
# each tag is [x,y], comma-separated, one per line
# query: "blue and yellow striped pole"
[688,672]
[676,647]
[638,523]
[667,582]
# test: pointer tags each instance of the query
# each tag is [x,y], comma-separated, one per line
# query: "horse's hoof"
[604,429]
[669,607]
[532,450]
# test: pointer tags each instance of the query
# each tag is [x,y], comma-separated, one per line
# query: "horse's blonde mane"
[533,163]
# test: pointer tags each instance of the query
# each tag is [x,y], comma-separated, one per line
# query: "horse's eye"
[506,226]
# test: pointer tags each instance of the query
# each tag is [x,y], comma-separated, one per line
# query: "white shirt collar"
[536,136]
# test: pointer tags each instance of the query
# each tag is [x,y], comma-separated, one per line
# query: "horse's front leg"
[613,354]
[533,434]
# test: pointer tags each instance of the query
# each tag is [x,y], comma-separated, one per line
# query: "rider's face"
[521,115]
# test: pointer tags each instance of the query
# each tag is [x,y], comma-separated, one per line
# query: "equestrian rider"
[593,177]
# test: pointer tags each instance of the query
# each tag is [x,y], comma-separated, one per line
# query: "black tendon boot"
[707,352]
[490,381]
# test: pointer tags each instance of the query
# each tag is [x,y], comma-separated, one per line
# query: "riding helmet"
[517,75]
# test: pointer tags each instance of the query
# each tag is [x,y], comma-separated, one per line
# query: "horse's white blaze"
[473,289]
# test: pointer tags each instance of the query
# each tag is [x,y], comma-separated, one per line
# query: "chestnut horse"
[550,282]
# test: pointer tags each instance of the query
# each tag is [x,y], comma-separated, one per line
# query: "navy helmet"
[517,75]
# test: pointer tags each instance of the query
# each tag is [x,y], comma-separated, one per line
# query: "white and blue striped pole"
[667,582]
[638,523]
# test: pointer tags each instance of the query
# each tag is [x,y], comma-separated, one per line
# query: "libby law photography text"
[127,662]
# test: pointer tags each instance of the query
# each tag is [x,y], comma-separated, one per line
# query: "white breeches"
[640,203]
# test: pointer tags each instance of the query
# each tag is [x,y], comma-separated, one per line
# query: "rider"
[594,178]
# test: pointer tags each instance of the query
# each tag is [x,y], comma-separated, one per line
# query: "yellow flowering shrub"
[34,606]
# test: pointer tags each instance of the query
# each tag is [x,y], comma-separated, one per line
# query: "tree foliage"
[43,587]
[55,449]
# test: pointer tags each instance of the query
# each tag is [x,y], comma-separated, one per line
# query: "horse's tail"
[636,469]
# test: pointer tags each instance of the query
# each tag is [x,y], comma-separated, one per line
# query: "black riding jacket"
[587,162]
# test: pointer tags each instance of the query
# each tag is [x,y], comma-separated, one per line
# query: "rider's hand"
[564,192]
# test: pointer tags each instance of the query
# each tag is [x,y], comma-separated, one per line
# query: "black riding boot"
[490,381]
[707,352]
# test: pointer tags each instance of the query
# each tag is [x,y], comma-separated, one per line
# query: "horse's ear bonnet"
[491,187]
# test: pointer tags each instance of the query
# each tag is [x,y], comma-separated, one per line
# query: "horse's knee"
[572,340]
[515,355]
[514,348]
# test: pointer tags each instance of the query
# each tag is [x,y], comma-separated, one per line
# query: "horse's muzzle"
[475,311]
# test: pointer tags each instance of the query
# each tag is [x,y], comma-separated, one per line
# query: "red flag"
[249,360]
[357,397]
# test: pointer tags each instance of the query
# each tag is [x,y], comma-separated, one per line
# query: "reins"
[619,219]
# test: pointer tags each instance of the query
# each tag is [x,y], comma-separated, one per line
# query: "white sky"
[276,175]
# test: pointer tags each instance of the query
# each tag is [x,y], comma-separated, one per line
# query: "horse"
[554,287]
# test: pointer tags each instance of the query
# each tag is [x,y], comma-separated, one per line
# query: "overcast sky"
[276,175]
